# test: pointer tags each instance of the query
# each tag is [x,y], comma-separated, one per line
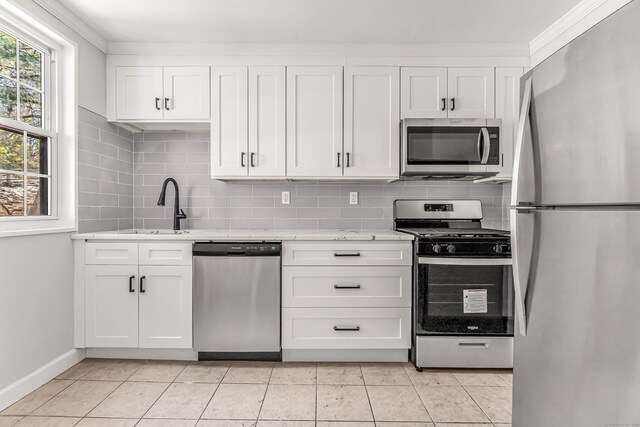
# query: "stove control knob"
[497,249]
[436,248]
[451,249]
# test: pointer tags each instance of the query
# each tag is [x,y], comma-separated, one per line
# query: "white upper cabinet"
[371,122]
[186,93]
[267,122]
[471,93]
[424,92]
[139,93]
[162,93]
[229,140]
[508,109]
[314,121]
[455,93]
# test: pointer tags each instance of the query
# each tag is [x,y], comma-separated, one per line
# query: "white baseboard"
[19,389]
[379,355]
[142,353]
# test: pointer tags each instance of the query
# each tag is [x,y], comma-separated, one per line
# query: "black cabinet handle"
[444,104]
[346,286]
[131,278]
[142,290]
[338,160]
[253,165]
[453,104]
[347,254]
[157,100]
[348,329]
[348,159]
[166,103]
[242,158]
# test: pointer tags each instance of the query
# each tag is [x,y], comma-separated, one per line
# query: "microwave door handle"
[486,145]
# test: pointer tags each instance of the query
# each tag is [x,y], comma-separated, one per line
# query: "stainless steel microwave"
[450,148]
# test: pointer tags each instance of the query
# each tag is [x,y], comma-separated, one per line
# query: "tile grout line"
[366,390]
[214,392]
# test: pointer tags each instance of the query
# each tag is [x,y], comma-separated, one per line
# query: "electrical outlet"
[286,198]
[353,198]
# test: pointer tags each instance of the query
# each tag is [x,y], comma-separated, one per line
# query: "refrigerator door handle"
[520,145]
[522,240]
[486,145]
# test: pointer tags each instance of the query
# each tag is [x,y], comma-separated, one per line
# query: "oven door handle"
[464,261]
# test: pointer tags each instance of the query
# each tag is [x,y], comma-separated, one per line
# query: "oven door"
[464,296]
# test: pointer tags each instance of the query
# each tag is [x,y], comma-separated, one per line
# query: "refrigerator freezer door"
[584,117]
[579,364]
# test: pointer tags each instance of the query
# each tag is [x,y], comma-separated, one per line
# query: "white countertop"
[245,234]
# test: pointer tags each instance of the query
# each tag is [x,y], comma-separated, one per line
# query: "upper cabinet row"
[309,122]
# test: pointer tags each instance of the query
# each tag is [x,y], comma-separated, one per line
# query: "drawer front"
[163,253]
[464,352]
[111,253]
[338,253]
[346,286]
[346,328]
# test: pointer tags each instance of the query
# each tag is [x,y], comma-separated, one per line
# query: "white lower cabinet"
[346,296]
[138,305]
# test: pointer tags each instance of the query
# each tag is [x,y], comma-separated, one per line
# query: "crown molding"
[583,16]
[72,21]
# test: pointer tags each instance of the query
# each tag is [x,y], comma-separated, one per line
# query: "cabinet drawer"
[332,253]
[346,286]
[165,253]
[346,328]
[111,253]
[464,352]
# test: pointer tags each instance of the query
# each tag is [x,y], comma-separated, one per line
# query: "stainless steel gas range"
[462,285]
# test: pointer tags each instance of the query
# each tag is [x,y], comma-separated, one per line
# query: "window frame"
[59,120]
[48,129]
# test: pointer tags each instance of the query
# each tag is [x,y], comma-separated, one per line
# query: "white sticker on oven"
[475,300]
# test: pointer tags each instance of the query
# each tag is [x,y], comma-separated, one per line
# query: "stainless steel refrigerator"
[575,222]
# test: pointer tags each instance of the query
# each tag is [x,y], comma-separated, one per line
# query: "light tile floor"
[123,393]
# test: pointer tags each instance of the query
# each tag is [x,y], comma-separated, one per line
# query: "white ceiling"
[319,21]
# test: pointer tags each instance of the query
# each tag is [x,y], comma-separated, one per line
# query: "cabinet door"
[165,307]
[424,92]
[229,142]
[111,305]
[186,93]
[267,121]
[507,109]
[471,93]
[372,122]
[314,121]
[139,93]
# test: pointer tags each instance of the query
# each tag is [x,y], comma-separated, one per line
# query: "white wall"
[36,303]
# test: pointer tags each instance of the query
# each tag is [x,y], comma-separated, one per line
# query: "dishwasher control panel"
[236,249]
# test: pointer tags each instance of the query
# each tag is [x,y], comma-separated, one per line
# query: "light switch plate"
[353,198]
[286,198]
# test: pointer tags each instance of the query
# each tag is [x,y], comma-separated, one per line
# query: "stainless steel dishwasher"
[236,300]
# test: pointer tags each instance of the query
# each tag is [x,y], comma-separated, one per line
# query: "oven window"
[464,299]
[436,145]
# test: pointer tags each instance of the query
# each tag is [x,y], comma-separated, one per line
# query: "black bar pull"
[346,286]
[253,165]
[347,254]
[142,289]
[157,100]
[348,329]
[444,104]
[131,278]
[166,103]
[453,104]
[242,158]
[338,160]
[348,159]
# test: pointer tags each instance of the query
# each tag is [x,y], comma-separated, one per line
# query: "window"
[26,137]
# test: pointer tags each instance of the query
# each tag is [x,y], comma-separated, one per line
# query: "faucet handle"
[181,215]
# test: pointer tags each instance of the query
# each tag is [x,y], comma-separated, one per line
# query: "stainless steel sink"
[158,231]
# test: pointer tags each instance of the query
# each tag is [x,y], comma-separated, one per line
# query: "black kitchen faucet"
[178,213]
